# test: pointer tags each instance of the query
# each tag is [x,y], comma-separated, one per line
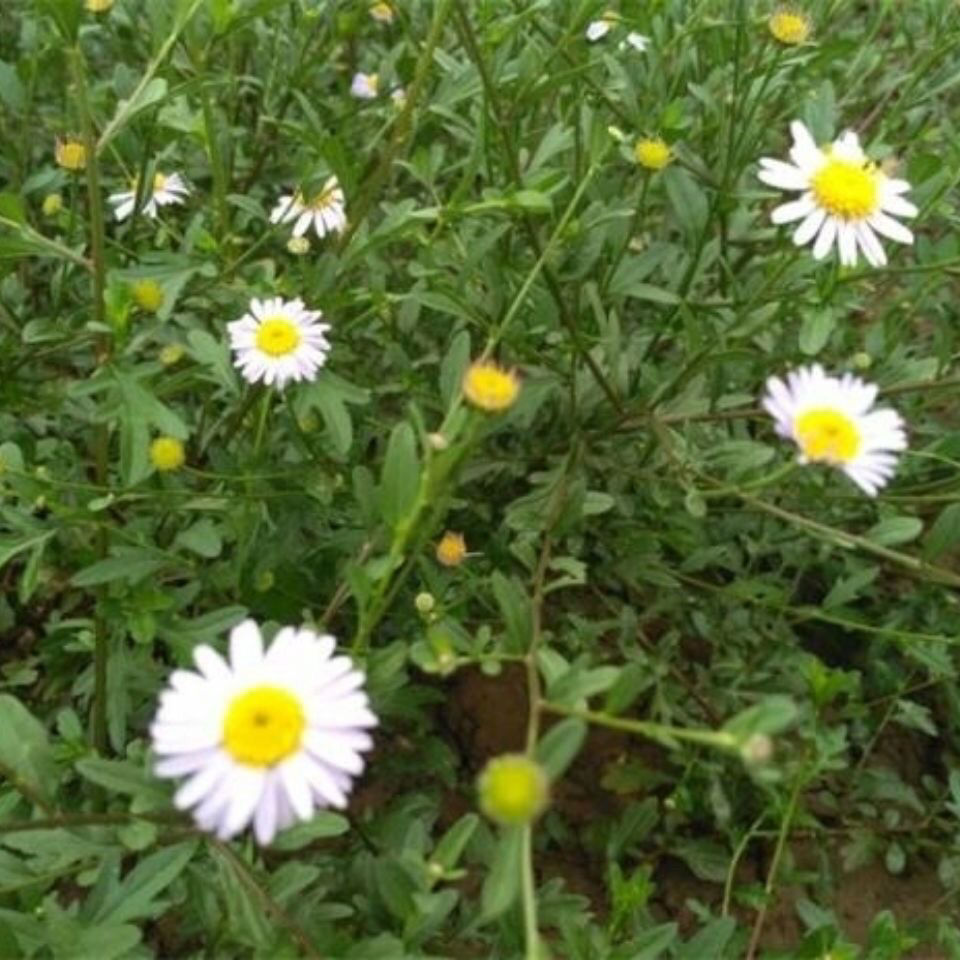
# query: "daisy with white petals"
[167,188]
[597,29]
[325,210]
[844,198]
[365,86]
[832,421]
[278,341]
[267,737]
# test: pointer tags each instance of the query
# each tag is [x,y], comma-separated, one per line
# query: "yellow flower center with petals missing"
[166,454]
[827,436]
[652,153]
[263,726]
[789,27]
[318,202]
[452,549]
[277,336]
[489,387]
[847,190]
[513,789]
[159,182]
[71,154]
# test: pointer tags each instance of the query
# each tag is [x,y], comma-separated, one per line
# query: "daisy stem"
[262,422]
[528,891]
[102,349]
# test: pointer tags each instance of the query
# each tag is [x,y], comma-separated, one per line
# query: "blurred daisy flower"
[832,421]
[790,27]
[597,29]
[277,341]
[398,97]
[844,198]
[98,6]
[167,188]
[382,12]
[365,86]
[325,210]
[266,737]
[636,40]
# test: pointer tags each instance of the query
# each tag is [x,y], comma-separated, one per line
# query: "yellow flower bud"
[452,549]
[298,245]
[172,353]
[70,154]
[148,295]
[652,153]
[513,789]
[52,204]
[490,387]
[167,453]
[790,27]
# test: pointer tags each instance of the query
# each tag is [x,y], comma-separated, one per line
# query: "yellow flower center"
[263,726]
[382,12]
[319,201]
[166,453]
[513,789]
[98,6]
[845,189]
[489,387]
[451,549]
[789,27]
[159,182]
[653,154]
[148,295]
[277,336]
[71,155]
[828,436]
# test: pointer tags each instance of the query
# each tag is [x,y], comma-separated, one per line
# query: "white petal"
[810,227]
[847,243]
[211,664]
[204,782]
[265,817]
[246,647]
[871,246]
[828,233]
[293,777]
[246,786]
[795,210]
[784,176]
[890,227]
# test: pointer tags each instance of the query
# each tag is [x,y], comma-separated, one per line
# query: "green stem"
[771,478]
[101,441]
[662,733]
[217,169]
[528,889]
[262,421]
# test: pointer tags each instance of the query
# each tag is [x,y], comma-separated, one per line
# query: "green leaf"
[687,199]
[447,851]
[558,747]
[944,535]
[127,563]
[11,546]
[651,943]
[815,331]
[771,716]
[710,943]
[123,777]
[25,753]
[401,475]
[705,858]
[515,608]
[502,885]
[134,898]
[895,530]
[203,538]
[321,826]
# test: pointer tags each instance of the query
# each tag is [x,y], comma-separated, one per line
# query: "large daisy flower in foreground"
[277,341]
[268,737]
[832,421]
[324,210]
[844,198]
[167,188]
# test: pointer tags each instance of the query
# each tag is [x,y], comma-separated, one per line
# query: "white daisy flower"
[636,40]
[268,737]
[832,421]
[365,86]
[324,210]
[167,188]
[844,198]
[597,29]
[278,341]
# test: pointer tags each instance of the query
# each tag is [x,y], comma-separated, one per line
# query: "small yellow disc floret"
[513,789]
[70,154]
[789,27]
[452,549]
[652,153]
[148,295]
[490,387]
[167,453]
